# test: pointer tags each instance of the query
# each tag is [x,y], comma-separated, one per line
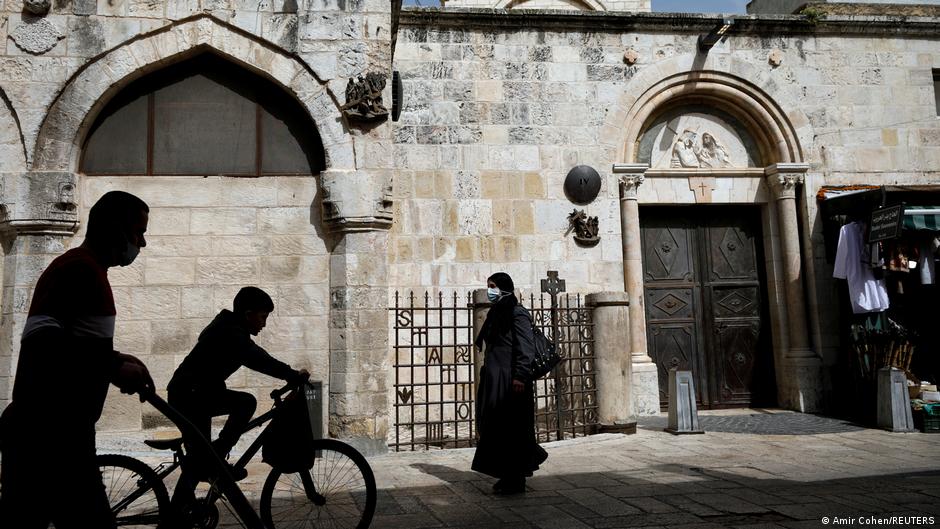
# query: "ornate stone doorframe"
[797,366]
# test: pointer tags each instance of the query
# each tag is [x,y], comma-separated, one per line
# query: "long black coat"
[506,420]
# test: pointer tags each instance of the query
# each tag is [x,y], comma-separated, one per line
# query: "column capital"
[357,200]
[631,176]
[784,177]
[38,203]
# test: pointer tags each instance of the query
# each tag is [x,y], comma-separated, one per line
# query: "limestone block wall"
[207,238]
[336,40]
[492,122]
[495,117]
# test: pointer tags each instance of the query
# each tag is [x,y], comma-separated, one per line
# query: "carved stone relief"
[697,140]
[585,228]
[36,35]
[364,98]
[37,7]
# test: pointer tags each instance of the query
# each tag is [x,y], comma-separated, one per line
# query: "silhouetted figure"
[67,359]
[505,407]
[198,391]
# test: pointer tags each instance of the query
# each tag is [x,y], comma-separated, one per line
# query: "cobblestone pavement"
[745,472]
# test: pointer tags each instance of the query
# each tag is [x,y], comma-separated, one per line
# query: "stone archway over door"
[751,155]
[706,302]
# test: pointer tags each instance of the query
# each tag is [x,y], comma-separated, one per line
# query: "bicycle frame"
[225,483]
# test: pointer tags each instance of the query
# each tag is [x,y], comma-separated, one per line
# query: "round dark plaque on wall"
[582,184]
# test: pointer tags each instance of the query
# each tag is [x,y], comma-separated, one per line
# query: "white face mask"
[493,294]
[128,254]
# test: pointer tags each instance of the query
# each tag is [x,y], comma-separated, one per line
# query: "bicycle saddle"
[165,444]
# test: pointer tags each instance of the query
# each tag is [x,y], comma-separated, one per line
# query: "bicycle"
[337,491]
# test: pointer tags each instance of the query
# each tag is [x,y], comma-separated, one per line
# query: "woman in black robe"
[505,406]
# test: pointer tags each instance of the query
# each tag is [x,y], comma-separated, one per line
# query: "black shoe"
[505,487]
[238,473]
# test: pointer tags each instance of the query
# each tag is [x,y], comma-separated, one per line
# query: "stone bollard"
[894,401]
[683,415]
[612,368]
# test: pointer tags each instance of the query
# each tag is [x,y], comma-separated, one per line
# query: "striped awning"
[922,218]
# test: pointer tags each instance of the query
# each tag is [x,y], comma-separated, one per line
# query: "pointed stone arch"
[12,145]
[63,130]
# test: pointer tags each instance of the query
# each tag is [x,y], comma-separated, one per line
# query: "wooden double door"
[706,302]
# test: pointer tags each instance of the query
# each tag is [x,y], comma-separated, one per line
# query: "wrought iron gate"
[434,370]
[566,400]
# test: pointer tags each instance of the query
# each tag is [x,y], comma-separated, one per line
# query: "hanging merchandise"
[926,263]
[867,293]
[882,342]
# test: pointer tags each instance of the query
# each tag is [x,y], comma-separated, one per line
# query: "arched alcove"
[746,111]
[85,95]
[202,116]
[12,150]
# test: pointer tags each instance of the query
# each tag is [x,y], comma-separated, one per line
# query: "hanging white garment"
[926,263]
[867,293]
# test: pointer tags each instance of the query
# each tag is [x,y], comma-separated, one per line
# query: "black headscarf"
[499,318]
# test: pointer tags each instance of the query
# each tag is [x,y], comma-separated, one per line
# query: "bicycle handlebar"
[294,384]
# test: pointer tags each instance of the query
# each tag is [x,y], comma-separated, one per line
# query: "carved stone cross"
[702,187]
[553,285]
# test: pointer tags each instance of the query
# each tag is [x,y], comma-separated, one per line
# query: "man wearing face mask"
[66,363]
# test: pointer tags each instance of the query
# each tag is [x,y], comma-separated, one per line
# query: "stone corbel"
[38,203]
[782,178]
[357,200]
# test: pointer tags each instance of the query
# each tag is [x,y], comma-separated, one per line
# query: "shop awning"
[922,218]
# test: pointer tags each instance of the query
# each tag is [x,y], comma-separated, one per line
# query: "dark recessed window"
[203,116]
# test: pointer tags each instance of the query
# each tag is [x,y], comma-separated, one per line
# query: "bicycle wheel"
[137,495]
[339,491]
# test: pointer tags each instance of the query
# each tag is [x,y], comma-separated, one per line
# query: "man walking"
[66,362]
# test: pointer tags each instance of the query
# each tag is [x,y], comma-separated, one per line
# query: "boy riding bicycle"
[198,391]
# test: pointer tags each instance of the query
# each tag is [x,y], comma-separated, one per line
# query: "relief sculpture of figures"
[364,97]
[687,153]
[585,228]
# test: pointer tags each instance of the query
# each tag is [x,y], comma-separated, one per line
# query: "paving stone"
[651,505]
[727,503]
[652,479]
[646,520]
[599,502]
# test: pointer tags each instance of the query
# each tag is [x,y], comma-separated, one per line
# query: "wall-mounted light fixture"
[705,42]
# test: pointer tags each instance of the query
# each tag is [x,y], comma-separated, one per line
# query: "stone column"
[612,361]
[39,216]
[799,379]
[357,210]
[645,379]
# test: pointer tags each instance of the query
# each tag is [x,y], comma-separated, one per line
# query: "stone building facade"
[498,106]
